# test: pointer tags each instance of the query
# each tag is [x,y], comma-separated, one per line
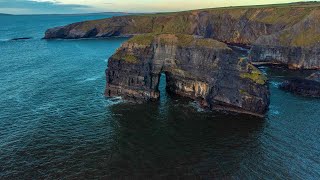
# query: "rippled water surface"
[56,123]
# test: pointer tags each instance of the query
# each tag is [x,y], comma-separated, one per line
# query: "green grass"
[281,5]
[127,58]
[306,38]
[243,92]
[302,35]
[131,59]
[211,43]
[184,22]
[142,39]
[182,40]
[255,75]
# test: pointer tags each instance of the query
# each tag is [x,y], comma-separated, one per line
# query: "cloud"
[83,6]
[40,7]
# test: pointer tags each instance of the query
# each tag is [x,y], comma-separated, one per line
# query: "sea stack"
[202,69]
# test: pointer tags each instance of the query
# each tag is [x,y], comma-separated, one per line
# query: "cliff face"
[293,57]
[221,25]
[286,33]
[202,69]
[297,46]
[235,25]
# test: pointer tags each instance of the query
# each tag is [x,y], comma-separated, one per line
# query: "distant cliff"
[298,46]
[202,69]
[285,33]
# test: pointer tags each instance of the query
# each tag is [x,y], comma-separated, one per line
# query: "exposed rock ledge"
[202,69]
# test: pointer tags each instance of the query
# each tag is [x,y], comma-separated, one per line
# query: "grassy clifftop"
[178,22]
[242,25]
[181,40]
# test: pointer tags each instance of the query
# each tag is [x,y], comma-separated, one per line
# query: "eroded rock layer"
[202,69]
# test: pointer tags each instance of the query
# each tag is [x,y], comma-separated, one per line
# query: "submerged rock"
[202,69]
[21,38]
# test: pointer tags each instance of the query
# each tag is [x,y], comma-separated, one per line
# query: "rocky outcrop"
[309,86]
[302,87]
[202,69]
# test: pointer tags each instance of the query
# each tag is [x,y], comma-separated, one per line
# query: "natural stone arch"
[202,69]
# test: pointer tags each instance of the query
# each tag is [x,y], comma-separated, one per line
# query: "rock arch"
[202,69]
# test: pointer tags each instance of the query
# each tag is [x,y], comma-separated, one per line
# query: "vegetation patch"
[255,75]
[131,59]
[303,38]
[183,22]
[184,40]
[177,24]
[210,43]
[243,92]
[140,24]
[117,55]
[128,58]
[287,16]
[142,39]
[306,38]
[89,25]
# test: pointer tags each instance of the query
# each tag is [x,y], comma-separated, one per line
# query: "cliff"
[235,25]
[202,69]
[285,33]
[297,46]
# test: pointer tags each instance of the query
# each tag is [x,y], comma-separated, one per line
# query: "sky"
[86,6]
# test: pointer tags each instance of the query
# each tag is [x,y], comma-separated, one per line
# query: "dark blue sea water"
[56,123]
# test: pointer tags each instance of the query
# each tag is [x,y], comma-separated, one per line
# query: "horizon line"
[120,12]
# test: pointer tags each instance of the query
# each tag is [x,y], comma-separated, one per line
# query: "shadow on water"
[172,139]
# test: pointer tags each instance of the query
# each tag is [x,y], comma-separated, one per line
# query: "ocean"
[55,122]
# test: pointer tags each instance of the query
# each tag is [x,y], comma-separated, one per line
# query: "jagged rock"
[202,69]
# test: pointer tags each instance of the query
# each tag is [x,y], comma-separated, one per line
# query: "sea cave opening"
[163,87]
